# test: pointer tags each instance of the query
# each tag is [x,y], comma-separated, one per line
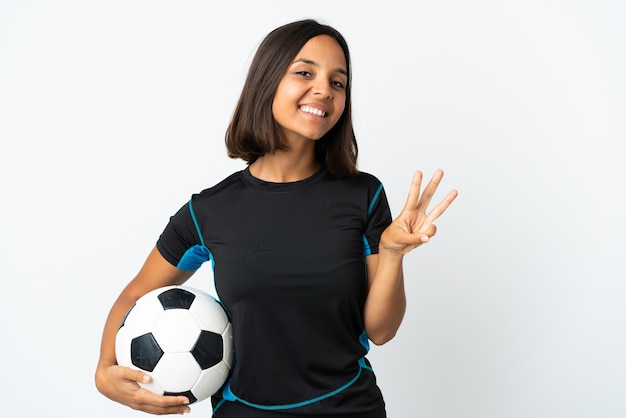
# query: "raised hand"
[414,226]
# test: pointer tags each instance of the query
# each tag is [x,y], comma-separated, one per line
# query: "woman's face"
[311,96]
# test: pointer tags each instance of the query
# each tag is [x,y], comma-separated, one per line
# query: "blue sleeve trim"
[374,199]
[194,257]
[195,222]
[367,250]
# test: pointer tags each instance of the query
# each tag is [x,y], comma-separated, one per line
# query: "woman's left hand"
[414,226]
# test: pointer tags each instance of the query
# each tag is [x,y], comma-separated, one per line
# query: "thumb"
[139,376]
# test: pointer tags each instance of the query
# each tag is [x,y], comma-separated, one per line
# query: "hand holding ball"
[180,336]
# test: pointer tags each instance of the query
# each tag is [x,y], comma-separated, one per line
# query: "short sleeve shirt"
[289,267]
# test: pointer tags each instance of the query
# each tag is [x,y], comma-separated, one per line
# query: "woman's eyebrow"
[311,62]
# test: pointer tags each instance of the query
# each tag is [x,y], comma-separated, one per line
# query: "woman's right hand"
[121,385]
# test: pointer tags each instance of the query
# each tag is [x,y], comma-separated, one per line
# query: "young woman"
[307,259]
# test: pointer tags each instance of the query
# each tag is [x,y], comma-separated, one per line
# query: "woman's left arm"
[386,301]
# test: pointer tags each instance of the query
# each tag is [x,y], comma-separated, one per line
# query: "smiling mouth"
[313,111]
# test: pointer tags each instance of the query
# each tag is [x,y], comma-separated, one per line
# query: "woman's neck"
[284,167]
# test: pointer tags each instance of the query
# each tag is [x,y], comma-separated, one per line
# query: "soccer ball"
[182,337]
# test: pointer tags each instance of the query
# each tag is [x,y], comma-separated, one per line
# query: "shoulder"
[362,177]
[223,194]
[369,178]
[364,187]
[229,182]
[365,181]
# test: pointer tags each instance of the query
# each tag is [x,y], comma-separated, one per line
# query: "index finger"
[152,398]
[414,191]
[429,190]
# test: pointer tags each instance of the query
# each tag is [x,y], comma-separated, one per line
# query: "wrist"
[390,253]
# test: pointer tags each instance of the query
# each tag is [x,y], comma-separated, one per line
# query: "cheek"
[339,109]
[283,99]
[287,91]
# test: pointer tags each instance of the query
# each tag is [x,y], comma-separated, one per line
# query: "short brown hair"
[253,132]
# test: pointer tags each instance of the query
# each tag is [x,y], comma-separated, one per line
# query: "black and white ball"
[182,337]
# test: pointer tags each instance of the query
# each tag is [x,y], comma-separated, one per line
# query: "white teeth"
[313,111]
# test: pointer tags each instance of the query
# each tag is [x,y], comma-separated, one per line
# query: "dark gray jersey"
[289,268]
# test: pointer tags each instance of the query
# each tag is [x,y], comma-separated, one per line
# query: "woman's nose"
[323,88]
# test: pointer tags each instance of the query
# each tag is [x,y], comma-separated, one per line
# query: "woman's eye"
[303,73]
[338,84]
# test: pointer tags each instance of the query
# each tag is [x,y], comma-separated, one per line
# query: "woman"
[307,259]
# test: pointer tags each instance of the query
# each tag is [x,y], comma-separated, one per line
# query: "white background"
[113,113]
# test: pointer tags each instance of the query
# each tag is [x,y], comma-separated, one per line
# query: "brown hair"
[253,132]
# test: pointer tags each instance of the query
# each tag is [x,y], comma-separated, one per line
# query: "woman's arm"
[120,383]
[386,302]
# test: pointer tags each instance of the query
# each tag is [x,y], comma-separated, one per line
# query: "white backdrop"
[113,113]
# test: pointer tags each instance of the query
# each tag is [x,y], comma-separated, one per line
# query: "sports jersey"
[289,268]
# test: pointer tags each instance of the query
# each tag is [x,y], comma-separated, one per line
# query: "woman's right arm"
[120,383]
